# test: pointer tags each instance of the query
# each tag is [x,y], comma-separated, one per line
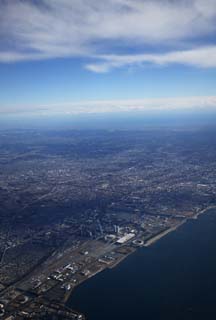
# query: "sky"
[83,56]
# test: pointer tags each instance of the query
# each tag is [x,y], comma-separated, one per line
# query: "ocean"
[175,278]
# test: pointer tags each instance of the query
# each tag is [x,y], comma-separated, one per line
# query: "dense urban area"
[74,202]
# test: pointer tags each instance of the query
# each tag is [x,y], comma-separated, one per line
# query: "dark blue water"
[173,279]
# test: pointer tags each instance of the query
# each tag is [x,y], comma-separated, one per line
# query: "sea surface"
[175,278]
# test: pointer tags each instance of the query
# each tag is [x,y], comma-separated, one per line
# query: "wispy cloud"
[31,30]
[204,57]
[115,106]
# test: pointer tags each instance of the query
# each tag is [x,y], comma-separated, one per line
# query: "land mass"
[74,203]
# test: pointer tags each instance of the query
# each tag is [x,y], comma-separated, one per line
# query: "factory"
[126,238]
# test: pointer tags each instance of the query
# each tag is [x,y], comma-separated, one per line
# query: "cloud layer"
[116,106]
[204,57]
[99,29]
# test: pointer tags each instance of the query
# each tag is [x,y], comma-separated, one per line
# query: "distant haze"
[136,120]
[116,106]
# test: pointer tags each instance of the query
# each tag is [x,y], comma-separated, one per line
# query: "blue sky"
[86,55]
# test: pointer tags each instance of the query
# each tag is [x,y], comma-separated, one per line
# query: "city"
[76,202]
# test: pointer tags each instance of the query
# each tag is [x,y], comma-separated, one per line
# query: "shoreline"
[203,211]
[148,243]
[164,233]
[159,236]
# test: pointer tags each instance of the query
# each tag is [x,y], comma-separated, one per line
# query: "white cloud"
[115,106]
[204,57]
[89,28]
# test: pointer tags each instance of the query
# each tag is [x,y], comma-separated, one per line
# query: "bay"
[175,278]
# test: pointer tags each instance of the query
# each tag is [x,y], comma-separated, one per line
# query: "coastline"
[163,233]
[178,259]
[148,243]
[203,211]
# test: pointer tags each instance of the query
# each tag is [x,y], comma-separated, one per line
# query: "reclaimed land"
[148,243]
